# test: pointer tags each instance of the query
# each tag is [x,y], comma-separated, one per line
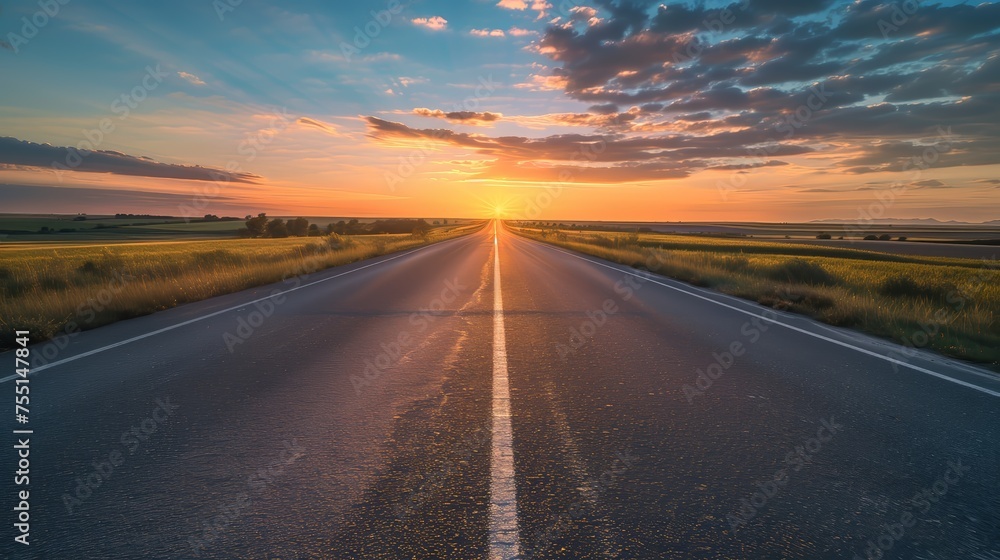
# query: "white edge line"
[791,327]
[213,314]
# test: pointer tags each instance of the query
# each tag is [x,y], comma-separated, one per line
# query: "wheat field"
[64,288]
[949,305]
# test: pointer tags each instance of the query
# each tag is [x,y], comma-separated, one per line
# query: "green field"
[948,305]
[52,288]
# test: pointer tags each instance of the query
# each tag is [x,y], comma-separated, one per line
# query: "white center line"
[504,540]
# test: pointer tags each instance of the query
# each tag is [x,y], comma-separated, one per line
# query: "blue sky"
[761,109]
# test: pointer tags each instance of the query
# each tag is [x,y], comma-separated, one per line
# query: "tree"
[314,230]
[277,228]
[298,227]
[257,226]
[353,226]
[421,229]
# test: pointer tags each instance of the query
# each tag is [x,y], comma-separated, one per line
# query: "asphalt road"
[362,412]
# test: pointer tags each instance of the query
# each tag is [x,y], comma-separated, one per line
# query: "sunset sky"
[760,110]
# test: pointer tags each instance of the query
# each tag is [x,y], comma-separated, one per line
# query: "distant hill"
[912,221]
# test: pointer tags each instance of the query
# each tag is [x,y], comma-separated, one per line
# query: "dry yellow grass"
[46,290]
[949,305]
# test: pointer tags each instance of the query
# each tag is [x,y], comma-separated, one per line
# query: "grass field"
[48,290]
[948,305]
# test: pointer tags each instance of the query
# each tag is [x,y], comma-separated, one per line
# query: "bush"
[336,241]
[885,237]
[823,236]
[871,237]
[798,271]
[900,286]
[89,267]
[902,238]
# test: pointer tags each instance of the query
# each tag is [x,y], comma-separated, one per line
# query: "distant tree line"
[262,226]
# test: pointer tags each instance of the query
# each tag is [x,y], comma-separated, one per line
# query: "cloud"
[513,4]
[20,152]
[435,23]
[583,157]
[518,32]
[805,76]
[540,6]
[487,32]
[461,117]
[318,124]
[191,78]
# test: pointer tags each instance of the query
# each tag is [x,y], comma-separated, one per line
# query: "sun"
[496,207]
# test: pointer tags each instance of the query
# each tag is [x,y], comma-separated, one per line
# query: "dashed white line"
[504,540]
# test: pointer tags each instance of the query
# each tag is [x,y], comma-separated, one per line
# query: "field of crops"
[949,305]
[45,290]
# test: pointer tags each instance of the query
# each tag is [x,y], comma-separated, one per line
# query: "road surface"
[491,396]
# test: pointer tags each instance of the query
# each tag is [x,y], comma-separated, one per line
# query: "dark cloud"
[681,87]
[605,109]
[593,158]
[20,152]
[461,117]
[73,200]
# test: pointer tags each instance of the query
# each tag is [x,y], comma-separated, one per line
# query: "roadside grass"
[49,291]
[949,305]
